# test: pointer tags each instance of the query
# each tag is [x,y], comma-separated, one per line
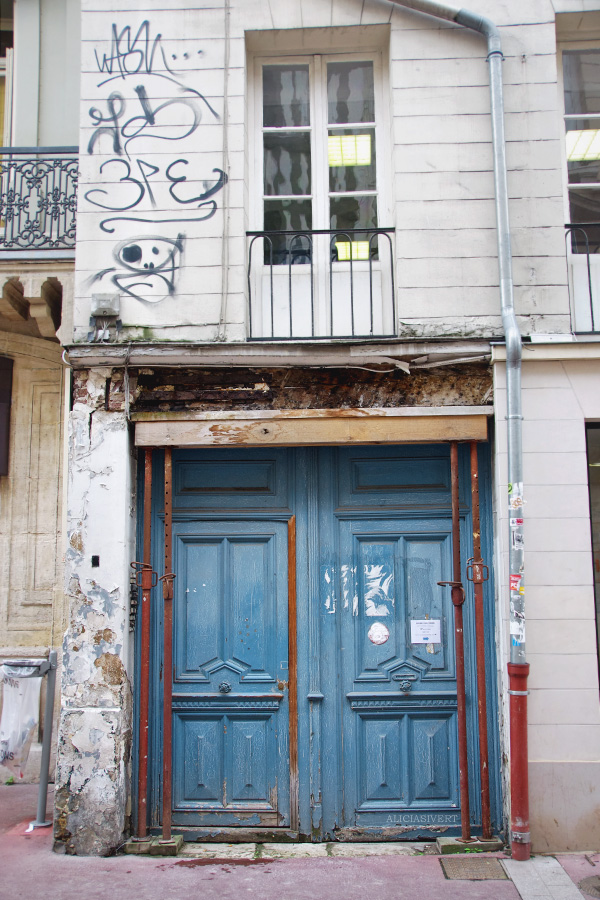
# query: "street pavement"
[30,869]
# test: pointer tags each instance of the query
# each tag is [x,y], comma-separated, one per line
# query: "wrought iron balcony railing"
[38,201]
[583,253]
[321,284]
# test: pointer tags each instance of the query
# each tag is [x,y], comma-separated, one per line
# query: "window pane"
[351,157]
[584,207]
[350,93]
[582,81]
[593,455]
[286,163]
[346,214]
[285,96]
[288,215]
[2,106]
[583,150]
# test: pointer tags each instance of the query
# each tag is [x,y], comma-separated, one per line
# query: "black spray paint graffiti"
[140,124]
[138,55]
[133,196]
[148,265]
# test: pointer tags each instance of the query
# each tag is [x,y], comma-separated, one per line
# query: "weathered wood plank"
[311,432]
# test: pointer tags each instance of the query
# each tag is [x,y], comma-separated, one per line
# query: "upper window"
[581,76]
[318,167]
[319,155]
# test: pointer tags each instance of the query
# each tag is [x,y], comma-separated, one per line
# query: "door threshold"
[256,852]
[214,834]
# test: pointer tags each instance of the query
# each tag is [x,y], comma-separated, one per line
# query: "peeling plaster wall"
[92,786]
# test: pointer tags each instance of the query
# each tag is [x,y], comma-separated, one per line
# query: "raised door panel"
[230,705]
[399,729]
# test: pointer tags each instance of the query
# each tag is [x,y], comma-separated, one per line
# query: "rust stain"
[76,541]
[113,669]
[223,860]
[105,635]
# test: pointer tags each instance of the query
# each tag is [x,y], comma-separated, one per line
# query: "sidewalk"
[28,867]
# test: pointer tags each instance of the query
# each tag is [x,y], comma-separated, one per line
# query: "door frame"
[285,429]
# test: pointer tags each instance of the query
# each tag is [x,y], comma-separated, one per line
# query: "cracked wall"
[94,742]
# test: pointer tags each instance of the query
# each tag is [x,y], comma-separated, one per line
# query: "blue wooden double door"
[314,679]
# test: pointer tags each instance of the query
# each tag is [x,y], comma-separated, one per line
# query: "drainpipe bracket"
[520,837]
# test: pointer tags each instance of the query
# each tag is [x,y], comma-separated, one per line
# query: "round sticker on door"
[378,633]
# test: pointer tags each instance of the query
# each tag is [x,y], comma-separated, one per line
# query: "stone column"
[94,742]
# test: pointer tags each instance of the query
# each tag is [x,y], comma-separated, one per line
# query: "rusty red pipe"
[519,796]
[167,582]
[478,575]
[146,575]
[458,598]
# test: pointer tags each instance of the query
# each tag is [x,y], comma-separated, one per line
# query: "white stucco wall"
[442,185]
[560,393]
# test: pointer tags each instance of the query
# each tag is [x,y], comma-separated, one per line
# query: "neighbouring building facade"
[39,72]
[287,403]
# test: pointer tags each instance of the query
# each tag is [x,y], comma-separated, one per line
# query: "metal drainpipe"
[518,668]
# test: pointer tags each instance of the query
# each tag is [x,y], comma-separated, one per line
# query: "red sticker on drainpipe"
[514,582]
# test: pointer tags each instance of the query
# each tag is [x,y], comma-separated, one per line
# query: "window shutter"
[6,370]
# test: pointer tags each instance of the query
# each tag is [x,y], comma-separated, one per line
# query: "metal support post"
[147,579]
[167,581]
[478,573]
[458,598]
[41,821]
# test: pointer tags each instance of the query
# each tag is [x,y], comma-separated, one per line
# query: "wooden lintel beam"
[311,432]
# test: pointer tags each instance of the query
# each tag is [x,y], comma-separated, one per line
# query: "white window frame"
[577,263]
[319,129]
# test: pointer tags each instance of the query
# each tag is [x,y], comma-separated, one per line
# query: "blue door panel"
[427,561]
[380,760]
[377,712]
[200,779]
[232,479]
[388,477]
[430,761]
[247,742]
[230,735]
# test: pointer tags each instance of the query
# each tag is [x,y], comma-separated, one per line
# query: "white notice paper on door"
[425,631]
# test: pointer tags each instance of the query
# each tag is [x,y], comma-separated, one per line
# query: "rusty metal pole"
[142,807]
[458,598]
[477,572]
[167,581]
[519,788]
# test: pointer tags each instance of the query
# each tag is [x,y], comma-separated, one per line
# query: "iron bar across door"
[167,581]
[292,673]
[146,575]
[458,598]
[478,573]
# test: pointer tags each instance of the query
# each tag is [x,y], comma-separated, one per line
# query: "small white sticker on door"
[378,633]
[425,631]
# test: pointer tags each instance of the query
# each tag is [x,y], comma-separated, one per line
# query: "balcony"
[583,255]
[38,202]
[323,284]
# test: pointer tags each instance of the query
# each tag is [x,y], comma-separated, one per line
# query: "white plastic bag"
[20,715]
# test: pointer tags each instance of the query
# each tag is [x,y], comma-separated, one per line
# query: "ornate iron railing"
[321,284]
[583,252]
[38,199]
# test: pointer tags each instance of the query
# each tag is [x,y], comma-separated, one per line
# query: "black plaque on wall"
[6,370]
